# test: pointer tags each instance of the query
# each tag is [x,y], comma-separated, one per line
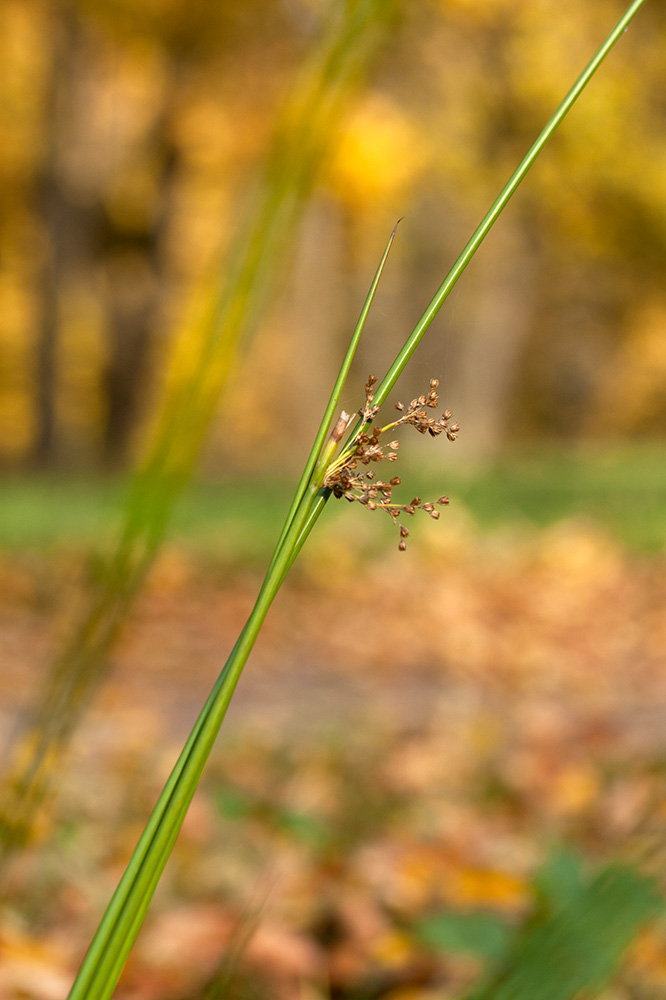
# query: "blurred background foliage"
[403,764]
[132,134]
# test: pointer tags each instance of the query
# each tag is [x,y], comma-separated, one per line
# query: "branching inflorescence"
[343,477]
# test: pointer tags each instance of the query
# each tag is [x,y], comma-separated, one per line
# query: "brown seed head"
[361,486]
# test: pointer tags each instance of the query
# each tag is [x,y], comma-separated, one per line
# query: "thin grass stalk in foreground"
[500,203]
[304,134]
[122,920]
[489,219]
[129,903]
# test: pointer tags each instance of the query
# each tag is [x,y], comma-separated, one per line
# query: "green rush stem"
[125,913]
[492,215]
[124,916]
[480,234]
[319,456]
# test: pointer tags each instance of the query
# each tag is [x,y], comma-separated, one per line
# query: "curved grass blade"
[232,303]
[486,224]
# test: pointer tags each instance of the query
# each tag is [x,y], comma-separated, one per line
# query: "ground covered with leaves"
[432,759]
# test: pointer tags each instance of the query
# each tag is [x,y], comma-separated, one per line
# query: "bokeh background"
[194,199]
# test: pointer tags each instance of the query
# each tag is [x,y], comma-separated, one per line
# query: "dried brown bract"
[345,479]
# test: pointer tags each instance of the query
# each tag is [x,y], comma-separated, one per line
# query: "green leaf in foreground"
[483,935]
[578,946]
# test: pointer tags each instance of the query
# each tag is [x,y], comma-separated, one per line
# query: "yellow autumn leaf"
[393,948]
[485,887]
[379,156]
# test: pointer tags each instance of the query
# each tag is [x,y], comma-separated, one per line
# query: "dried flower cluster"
[345,480]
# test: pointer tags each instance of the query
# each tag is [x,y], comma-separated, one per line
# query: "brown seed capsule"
[399,406]
[403,532]
[402,544]
[340,427]
[416,502]
[434,382]
[409,509]
[434,514]
[395,481]
[443,500]
[394,445]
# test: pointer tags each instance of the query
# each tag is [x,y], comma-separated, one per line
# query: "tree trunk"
[503,289]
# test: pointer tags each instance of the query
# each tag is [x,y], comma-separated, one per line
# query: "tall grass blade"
[495,210]
[315,460]
[204,357]
[121,922]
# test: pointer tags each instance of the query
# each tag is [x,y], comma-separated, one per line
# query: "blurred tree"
[103,222]
[131,133]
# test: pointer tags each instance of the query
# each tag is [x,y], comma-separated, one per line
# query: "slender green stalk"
[125,913]
[486,224]
[393,374]
[122,920]
[312,466]
[231,304]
